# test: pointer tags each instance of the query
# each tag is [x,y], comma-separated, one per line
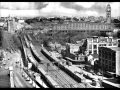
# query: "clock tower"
[108,13]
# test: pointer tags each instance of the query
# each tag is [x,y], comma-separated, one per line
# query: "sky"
[78,9]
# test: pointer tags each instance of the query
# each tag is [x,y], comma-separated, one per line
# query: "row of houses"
[83,26]
[104,49]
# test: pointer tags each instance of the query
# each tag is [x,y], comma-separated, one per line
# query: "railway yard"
[43,69]
[58,75]
[62,78]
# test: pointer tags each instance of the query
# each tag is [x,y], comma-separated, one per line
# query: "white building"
[95,42]
[73,47]
[21,21]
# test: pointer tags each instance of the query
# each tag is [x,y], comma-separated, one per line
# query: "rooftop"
[114,48]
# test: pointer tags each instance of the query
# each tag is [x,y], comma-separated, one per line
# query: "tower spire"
[108,13]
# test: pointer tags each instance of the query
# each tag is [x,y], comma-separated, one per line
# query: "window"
[104,44]
[90,46]
[99,45]
[105,55]
[114,44]
[90,51]
[95,51]
[95,46]
[110,44]
[109,56]
[110,40]
[100,54]
[90,39]
[95,40]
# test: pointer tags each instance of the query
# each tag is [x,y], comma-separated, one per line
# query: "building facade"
[85,26]
[109,60]
[95,42]
[11,24]
[108,13]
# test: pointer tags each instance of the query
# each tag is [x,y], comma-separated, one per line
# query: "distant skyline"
[78,9]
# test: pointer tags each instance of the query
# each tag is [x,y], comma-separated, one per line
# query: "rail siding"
[47,77]
[53,59]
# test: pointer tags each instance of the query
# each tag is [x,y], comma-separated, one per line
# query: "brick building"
[109,60]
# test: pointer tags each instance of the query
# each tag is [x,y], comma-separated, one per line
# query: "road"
[12,54]
[4,78]
[11,59]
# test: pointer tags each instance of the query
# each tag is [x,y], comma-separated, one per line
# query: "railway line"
[61,80]
[59,76]
[66,80]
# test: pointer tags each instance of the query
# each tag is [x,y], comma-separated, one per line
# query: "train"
[30,57]
[56,61]
[60,65]
[47,78]
[26,41]
[36,55]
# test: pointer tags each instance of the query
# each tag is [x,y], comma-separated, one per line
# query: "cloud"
[85,4]
[115,9]
[17,5]
[27,13]
[58,8]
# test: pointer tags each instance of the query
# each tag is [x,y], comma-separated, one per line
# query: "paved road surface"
[4,78]
[18,79]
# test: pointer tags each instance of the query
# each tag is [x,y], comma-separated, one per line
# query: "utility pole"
[48,64]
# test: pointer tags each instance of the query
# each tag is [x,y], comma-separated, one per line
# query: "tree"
[83,48]
[63,53]
[116,23]
[45,43]
[80,50]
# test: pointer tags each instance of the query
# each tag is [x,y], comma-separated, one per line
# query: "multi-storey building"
[108,13]
[11,24]
[83,26]
[73,47]
[109,60]
[94,42]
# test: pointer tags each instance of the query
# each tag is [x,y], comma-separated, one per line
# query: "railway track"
[66,79]
[62,77]
[59,76]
